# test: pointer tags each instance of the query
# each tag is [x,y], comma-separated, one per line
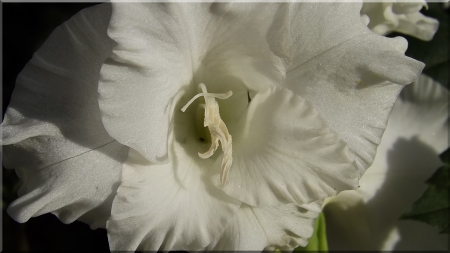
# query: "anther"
[217,128]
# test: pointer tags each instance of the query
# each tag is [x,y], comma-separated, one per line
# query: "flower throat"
[216,127]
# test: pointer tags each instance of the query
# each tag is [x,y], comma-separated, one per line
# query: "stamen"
[217,128]
[215,95]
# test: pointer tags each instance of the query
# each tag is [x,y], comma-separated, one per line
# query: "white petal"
[285,153]
[167,207]
[418,25]
[332,57]
[255,229]
[52,131]
[382,18]
[420,114]
[163,47]
[407,156]
[400,17]
[407,8]
[315,28]
[81,187]
[354,85]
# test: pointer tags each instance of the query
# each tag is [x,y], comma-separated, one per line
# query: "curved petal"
[167,207]
[285,153]
[81,187]
[347,66]
[400,17]
[52,126]
[315,28]
[163,47]
[361,79]
[418,25]
[256,229]
[407,156]
[382,18]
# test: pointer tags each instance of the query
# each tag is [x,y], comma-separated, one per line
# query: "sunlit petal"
[52,132]
[285,153]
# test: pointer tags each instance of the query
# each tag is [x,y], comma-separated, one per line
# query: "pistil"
[216,127]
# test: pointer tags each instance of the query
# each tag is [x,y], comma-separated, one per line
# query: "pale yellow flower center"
[216,127]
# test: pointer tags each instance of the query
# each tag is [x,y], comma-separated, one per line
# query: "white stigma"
[217,128]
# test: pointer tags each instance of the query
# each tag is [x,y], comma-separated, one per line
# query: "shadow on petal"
[375,225]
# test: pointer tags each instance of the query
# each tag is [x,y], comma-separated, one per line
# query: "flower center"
[216,127]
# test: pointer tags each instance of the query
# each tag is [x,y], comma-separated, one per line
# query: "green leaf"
[445,157]
[440,178]
[318,241]
[433,206]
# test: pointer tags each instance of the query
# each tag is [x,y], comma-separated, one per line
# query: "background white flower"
[53,130]
[400,16]
[368,218]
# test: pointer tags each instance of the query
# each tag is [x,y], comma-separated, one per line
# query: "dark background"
[26,26]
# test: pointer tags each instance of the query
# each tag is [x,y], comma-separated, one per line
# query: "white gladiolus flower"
[403,17]
[117,120]
[368,218]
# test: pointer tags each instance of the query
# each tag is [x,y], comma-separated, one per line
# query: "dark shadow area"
[47,233]
[410,164]
[399,192]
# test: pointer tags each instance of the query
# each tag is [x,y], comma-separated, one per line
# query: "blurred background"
[27,25]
